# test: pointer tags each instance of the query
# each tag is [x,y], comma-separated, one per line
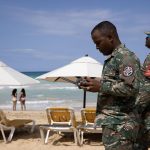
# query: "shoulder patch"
[127,71]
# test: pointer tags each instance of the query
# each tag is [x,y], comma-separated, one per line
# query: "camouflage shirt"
[143,98]
[119,87]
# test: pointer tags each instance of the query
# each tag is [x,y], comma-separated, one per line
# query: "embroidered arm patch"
[127,71]
[127,74]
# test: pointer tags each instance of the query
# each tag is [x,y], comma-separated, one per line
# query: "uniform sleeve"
[146,63]
[127,83]
[143,98]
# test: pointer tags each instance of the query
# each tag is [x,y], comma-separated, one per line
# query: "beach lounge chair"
[60,120]
[88,117]
[6,124]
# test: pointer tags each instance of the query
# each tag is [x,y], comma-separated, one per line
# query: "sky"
[42,35]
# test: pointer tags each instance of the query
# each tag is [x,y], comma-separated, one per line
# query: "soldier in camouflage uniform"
[143,102]
[117,89]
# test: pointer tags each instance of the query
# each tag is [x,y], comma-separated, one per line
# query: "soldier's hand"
[90,84]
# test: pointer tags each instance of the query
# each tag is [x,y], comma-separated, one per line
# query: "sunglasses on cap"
[148,36]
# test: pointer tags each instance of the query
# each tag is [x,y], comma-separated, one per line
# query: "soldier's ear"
[110,38]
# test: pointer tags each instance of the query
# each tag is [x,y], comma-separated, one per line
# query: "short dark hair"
[106,28]
[23,92]
[14,91]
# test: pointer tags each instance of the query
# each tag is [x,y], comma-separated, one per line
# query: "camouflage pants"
[121,137]
[143,138]
[146,118]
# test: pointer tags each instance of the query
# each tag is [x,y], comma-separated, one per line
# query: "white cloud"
[63,23]
[39,54]
[25,50]
[73,22]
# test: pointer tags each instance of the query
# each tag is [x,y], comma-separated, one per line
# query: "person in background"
[117,89]
[22,99]
[14,98]
[143,102]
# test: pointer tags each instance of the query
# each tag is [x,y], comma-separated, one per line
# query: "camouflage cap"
[147,32]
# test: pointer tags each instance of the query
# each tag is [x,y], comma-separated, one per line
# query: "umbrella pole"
[84,99]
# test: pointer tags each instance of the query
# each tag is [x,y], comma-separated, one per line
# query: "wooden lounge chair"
[6,124]
[60,120]
[88,117]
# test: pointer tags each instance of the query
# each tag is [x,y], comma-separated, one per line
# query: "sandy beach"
[23,140]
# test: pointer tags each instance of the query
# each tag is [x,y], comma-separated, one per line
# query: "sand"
[23,140]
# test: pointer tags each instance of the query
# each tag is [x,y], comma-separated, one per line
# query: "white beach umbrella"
[82,67]
[11,77]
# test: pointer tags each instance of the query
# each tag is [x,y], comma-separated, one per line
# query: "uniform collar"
[117,48]
[115,51]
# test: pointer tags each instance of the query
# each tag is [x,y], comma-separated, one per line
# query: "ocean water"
[47,94]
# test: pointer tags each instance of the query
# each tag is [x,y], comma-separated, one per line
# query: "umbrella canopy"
[82,67]
[11,77]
